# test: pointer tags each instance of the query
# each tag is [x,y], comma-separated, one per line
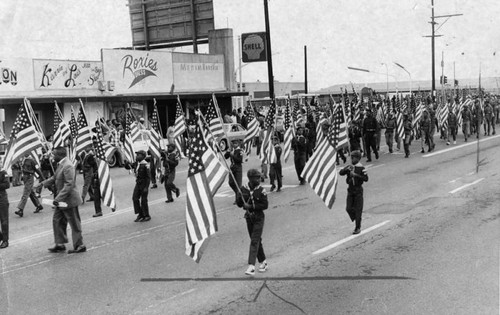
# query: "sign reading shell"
[253,47]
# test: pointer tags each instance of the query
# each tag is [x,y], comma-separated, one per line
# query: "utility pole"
[269,58]
[305,69]
[433,36]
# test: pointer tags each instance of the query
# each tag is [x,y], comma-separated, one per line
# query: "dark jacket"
[170,161]
[355,182]
[142,173]
[257,198]
[4,183]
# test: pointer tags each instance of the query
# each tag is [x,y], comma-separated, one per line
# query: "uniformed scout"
[141,189]
[356,176]
[170,161]
[236,158]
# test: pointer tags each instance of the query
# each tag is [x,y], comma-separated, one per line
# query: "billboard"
[253,47]
[138,71]
[169,21]
[66,74]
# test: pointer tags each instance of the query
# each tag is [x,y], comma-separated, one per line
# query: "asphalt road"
[429,245]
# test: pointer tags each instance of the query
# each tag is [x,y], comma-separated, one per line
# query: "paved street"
[429,245]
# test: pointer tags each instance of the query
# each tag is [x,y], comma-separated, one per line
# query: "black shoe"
[38,209]
[376,155]
[154,186]
[279,189]
[79,249]
[90,199]
[368,160]
[422,151]
[57,249]
[4,244]
[390,150]
[148,218]
[19,213]
[177,193]
[98,214]
[138,219]
[356,231]
[169,200]
[273,188]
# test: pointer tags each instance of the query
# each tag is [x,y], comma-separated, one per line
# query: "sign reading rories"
[138,71]
[253,47]
[66,74]
[16,75]
[198,72]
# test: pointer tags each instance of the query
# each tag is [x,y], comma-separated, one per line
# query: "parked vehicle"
[232,131]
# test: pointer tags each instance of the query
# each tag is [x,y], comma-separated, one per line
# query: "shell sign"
[253,47]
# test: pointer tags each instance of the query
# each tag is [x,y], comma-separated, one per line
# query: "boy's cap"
[253,173]
[356,154]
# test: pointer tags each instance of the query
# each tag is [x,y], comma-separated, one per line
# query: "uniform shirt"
[256,197]
[29,166]
[236,157]
[390,124]
[170,162]
[278,150]
[370,125]
[142,173]
[354,183]
[299,144]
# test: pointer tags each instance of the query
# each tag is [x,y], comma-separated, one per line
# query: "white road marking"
[460,146]
[371,166]
[465,186]
[347,239]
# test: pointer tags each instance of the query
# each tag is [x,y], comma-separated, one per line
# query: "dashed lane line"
[349,238]
[465,186]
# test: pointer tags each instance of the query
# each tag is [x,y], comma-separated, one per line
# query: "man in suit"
[66,203]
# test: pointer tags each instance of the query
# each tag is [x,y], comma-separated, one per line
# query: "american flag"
[252,129]
[266,152]
[339,128]
[399,125]
[214,120]
[381,116]
[443,116]
[205,175]
[179,127]
[320,170]
[62,131]
[103,151]
[84,137]
[24,138]
[297,115]
[155,146]
[319,130]
[128,149]
[289,131]
[309,110]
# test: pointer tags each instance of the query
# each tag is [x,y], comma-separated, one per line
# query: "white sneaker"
[454,142]
[250,270]
[263,266]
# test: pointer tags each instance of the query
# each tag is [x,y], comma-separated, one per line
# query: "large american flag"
[339,128]
[214,121]
[103,151]
[84,136]
[155,146]
[443,116]
[61,130]
[399,125]
[320,170]
[253,129]
[289,131]
[179,127]
[24,138]
[267,154]
[128,149]
[205,175]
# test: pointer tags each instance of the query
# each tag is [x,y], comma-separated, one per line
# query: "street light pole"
[387,75]
[269,58]
[397,64]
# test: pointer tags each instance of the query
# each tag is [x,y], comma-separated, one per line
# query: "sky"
[367,34]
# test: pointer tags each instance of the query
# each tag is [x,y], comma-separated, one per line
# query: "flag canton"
[154,120]
[128,122]
[82,121]
[57,119]
[98,145]
[250,113]
[296,111]
[334,133]
[269,122]
[22,121]
[179,112]
[288,119]
[73,126]
[197,148]
[211,114]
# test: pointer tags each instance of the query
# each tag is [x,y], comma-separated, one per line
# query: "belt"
[371,130]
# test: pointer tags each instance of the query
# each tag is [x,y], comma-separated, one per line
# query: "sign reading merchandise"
[67,74]
[16,75]
[198,72]
[135,71]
